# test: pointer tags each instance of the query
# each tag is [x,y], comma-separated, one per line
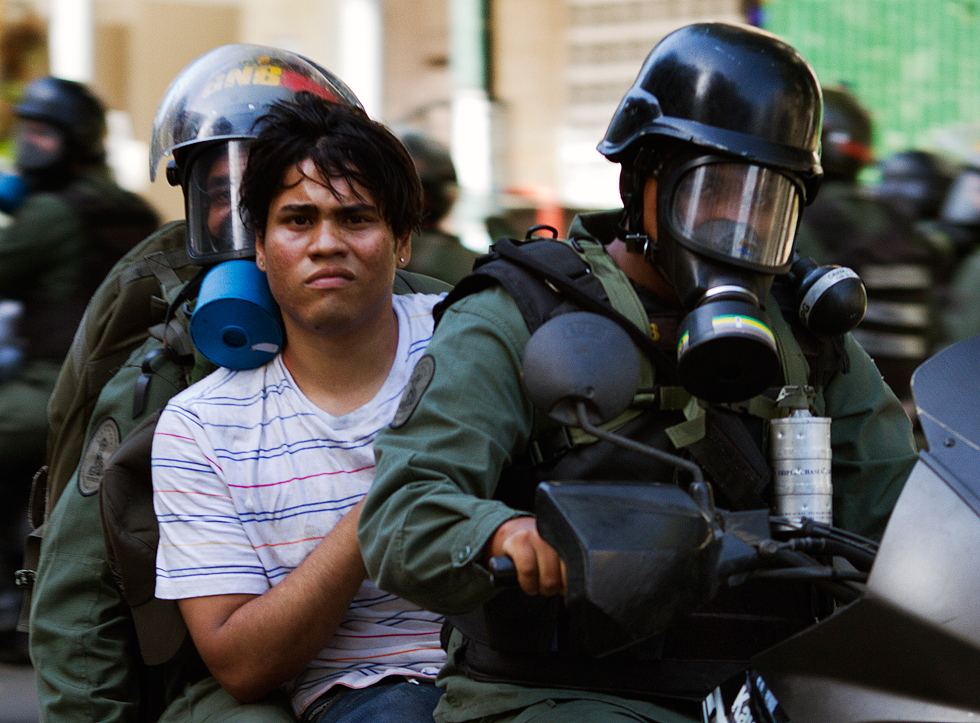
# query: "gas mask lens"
[216,231]
[735,212]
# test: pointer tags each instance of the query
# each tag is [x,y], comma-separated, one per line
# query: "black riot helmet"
[70,110]
[206,120]
[915,182]
[436,171]
[847,135]
[727,119]
[725,88]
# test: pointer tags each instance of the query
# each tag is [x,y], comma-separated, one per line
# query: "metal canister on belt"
[800,451]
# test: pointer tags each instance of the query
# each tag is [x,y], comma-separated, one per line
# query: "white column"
[71,39]
[472,120]
[361,52]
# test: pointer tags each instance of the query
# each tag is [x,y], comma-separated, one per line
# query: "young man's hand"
[540,571]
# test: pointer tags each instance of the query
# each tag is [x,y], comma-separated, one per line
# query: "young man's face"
[330,261]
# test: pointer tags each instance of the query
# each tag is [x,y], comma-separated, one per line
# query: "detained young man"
[259,474]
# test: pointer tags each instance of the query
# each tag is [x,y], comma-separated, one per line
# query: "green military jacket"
[431,511]
[55,252]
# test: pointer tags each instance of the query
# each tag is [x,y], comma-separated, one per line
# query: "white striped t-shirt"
[249,476]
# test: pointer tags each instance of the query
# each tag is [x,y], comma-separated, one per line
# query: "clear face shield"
[212,189]
[735,212]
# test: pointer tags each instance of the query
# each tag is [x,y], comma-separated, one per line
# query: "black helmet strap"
[645,163]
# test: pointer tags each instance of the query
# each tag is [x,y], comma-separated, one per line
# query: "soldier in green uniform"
[718,141]
[436,252]
[71,225]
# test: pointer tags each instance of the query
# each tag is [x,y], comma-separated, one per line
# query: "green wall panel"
[915,64]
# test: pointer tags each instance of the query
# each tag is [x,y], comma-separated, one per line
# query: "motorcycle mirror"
[579,358]
[640,556]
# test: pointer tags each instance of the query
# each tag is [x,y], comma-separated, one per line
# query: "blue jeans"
[391,700]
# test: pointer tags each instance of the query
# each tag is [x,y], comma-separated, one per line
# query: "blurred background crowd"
[502,103]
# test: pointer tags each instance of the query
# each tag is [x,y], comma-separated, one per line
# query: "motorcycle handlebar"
[502,571]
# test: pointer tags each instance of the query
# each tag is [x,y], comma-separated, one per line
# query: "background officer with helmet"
[436,252]
[104,648]
[900,267]
[925,187]
[718,141]
[70,222]
[915,182]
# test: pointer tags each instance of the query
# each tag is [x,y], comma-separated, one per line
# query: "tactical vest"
[526,640]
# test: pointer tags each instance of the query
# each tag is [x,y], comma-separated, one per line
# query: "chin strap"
[646,163]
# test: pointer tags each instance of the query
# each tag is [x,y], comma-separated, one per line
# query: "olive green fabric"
[128,302]
[87,663]
[207,702]
[441,256]
[431,510]
[573,711]
[43,255]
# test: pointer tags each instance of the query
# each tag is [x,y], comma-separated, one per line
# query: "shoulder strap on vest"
[542,274]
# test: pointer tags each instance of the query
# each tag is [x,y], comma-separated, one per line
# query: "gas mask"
[236,322]
[725,230]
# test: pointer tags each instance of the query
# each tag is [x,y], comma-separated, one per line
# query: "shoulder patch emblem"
[102,445]
[417,384]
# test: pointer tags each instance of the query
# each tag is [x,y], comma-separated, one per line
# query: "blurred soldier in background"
[434,251]
[960,218]
[846,225]
[915,183]
[70,223]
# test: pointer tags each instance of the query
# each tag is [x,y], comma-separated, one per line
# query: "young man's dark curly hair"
[343,143]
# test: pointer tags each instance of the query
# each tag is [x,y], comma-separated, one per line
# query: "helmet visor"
[736,212]
[220,95]
[216,231]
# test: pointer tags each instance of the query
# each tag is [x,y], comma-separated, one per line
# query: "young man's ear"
[403,251]
[260,251]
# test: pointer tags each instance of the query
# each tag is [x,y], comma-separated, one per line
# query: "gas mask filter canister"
[726,351]
[236,322]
